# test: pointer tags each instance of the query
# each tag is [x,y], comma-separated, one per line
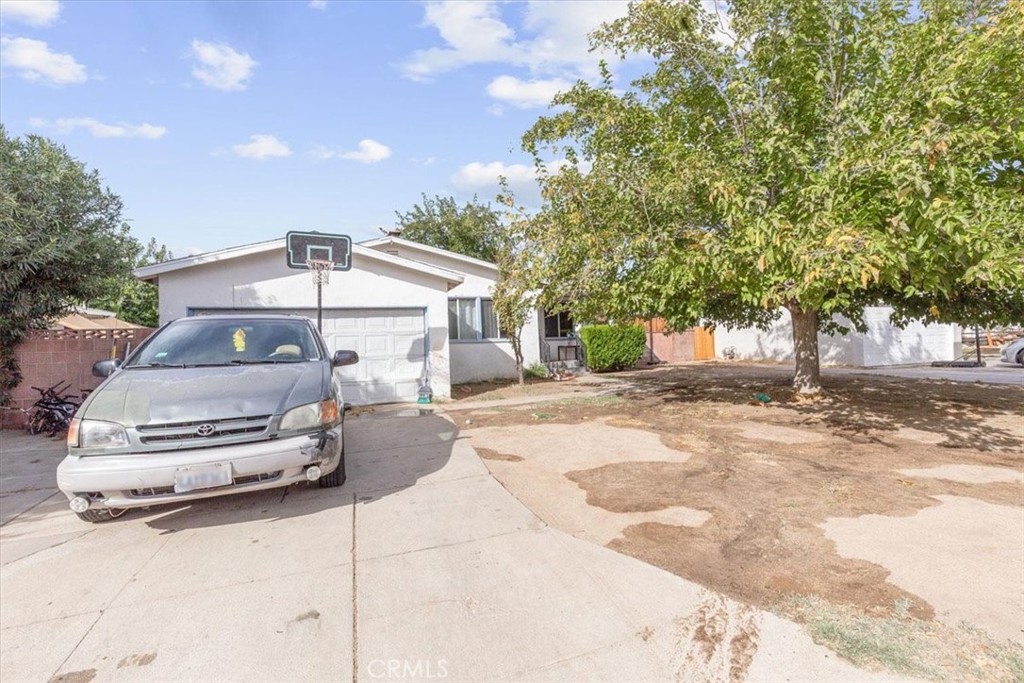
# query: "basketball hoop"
[320,270]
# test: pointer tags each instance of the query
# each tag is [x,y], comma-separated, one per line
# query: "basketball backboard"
[318,246]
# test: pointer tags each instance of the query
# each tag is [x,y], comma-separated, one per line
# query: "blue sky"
[222,123]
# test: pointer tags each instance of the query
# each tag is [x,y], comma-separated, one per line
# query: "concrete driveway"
[995,372]
[422,567]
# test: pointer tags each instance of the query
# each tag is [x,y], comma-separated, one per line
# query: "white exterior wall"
[750,343]
[264,281]
[475,361]
[917,343]
[882,344]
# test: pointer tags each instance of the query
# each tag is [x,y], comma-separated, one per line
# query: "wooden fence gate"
[695,343]
[703,344]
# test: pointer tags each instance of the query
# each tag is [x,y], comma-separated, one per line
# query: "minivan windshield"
[198,342]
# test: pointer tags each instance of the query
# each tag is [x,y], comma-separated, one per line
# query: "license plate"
[201,477]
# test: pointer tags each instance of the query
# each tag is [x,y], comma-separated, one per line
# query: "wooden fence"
[695,343]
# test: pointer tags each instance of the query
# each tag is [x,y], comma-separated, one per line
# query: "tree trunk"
[517,351]
[807,378]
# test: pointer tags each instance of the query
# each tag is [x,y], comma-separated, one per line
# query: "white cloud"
[368,152]
[99,129]
[477,175]
[32,12]
[34,61]
[473,33]
[521,178]
[221,67]
[556,40]
[482,178]
[262,146]
[317,4]
[525,94]
[562,34]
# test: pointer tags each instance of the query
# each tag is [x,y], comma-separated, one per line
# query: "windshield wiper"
[255,361]
[156,364]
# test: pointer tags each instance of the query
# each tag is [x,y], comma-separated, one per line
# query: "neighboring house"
[417,315]
[881,344]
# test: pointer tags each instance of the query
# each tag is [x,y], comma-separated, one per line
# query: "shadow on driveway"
[386,451]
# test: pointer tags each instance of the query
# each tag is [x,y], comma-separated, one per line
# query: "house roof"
[384,242]
[155,270]
[78,321]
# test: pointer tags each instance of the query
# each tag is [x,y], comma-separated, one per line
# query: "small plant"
[613,347]
[537,371]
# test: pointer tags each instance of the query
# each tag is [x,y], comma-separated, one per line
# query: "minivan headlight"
[97,434]
[310,415]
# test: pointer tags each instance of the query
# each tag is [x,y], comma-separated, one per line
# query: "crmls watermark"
[399,669]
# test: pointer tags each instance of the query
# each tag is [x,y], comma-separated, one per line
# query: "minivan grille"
[204,430]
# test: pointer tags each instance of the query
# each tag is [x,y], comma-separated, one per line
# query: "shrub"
[537,371]
[613,347]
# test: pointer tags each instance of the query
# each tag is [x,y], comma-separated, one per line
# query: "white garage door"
[391,344]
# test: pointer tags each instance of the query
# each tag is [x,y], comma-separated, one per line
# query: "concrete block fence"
[51,356]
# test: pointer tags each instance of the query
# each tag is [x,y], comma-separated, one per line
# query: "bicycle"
[52,412]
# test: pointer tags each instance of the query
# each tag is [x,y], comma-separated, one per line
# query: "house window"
[558,325]
[473,320]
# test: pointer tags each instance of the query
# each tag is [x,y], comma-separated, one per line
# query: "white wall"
[917,343]
[474,361]
[882,344]
[264,281]
[749,343]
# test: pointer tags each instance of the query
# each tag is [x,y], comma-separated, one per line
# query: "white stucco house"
[415,314]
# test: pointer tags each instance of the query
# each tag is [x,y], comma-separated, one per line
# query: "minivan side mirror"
[105,368]
[344,357]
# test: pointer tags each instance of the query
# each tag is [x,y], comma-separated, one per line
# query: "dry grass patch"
[902,644]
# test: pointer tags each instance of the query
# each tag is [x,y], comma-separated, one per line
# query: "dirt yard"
[893,498]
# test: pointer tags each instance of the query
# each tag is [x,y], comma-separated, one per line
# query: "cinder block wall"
[51,356]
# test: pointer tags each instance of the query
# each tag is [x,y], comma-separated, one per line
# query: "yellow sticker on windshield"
[239,338]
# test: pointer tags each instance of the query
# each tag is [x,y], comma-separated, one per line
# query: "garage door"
[391,344]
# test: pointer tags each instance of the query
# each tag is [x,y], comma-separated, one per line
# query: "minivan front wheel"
[337,477]
[97,515]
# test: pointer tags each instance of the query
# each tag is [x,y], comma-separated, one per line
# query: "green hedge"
[613,347]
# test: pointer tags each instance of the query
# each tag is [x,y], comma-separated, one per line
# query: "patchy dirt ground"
[745,508]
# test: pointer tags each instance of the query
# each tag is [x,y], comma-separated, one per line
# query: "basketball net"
[320,270]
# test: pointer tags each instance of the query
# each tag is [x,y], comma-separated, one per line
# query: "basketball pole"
[319,307]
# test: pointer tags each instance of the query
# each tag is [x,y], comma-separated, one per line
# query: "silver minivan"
[208,406]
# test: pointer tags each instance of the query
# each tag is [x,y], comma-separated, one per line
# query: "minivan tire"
[337,477]
[99,515]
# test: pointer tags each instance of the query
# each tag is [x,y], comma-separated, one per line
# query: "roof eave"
[398,241]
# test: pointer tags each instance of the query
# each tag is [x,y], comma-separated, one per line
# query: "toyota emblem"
[205,429]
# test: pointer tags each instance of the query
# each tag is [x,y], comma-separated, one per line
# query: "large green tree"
[61,238]
[818,156]
[132,299]
[472,229]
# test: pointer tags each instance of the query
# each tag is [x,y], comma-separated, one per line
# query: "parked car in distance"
[208,406]
[1013,352]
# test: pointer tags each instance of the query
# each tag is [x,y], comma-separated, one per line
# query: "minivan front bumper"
[141,479]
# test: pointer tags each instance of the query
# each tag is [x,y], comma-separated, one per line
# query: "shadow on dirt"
[854,406]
